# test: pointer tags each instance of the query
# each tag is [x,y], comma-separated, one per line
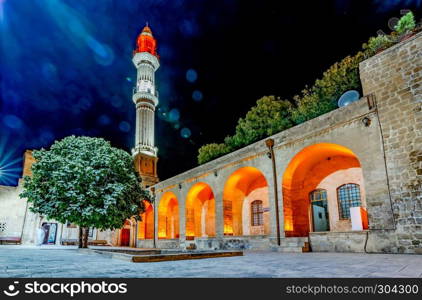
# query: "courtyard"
[20,261]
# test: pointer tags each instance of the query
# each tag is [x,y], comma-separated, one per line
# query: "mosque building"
[347,181]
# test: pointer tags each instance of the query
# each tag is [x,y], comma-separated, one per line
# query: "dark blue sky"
[66,66]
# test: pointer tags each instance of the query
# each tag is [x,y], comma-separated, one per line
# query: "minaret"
[145,96]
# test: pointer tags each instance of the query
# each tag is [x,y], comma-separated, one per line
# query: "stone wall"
[12,211]
[347,241]
[394,76]
[388,148]
[343,127]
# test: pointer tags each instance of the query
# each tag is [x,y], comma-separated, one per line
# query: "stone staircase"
[293,245]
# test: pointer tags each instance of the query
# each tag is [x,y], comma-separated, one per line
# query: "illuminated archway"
[242,188]
[200,211]
[168,217]
[320,166]
[146,224]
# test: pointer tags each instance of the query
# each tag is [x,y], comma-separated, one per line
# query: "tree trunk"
[80,236]
[85,237]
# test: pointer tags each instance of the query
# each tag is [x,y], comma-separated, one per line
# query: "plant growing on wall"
[406,24]
[267,117]
[87,182]
[323,95]
[211,151]
[270,116]
[377,44]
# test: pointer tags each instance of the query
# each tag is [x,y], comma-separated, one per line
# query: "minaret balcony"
[145,149]
[139,95]
[140,57]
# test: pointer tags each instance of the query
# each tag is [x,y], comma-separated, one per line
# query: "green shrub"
[271,115]
[211,151]
[309,106]
[267,117]
[405,24]
[376,44]
[323,95]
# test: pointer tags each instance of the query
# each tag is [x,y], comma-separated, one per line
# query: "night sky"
[66,66]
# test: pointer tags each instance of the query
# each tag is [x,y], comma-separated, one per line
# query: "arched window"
[348,195]
[257,216]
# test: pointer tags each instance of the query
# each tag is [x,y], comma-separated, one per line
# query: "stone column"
[155,212]
[219,213]
[59,234]
[181,199]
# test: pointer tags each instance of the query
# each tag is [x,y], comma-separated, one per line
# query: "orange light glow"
[364,215]
[200,211]
[238,186]
[303,174]
[228,230]
[146,225]
[168,217]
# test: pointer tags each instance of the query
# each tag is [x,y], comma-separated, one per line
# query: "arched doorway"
[125,234]
[168,217]
[200,211]
[310,183]
[245,203]
[146,224]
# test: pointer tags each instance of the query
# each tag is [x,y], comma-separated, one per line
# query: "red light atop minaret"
[146,42]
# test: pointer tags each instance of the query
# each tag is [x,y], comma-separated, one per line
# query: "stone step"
[293,245]
[289,249]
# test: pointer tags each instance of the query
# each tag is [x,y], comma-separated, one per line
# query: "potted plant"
[405,26]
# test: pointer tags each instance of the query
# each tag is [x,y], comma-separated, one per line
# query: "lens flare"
[10,163]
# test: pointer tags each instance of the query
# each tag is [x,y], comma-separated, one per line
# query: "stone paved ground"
[16,261]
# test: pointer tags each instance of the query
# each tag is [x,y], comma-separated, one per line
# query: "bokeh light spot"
[197,95]
[116,101]
[124,126]
[185,133]
[46,137]
[191,75]
[104,120]
[174,115]
[188,28]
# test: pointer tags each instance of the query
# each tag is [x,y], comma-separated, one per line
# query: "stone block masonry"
[394,76]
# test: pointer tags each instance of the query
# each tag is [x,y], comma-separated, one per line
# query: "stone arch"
[319,166]
[168,217]
[200,211]
[146,224]
[242,187]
